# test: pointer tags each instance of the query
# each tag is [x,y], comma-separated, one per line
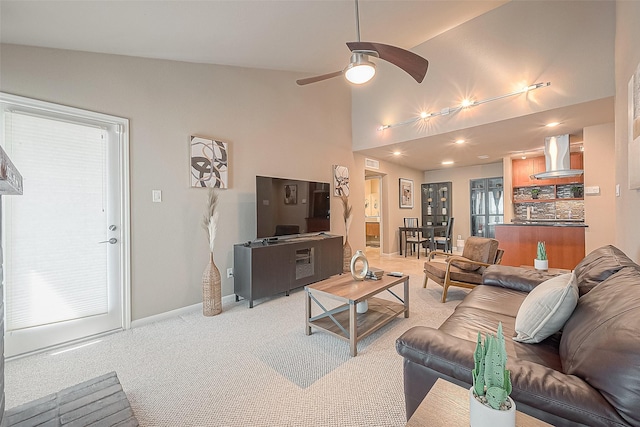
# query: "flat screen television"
[288,207]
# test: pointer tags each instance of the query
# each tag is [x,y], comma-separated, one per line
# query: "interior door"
[63,239]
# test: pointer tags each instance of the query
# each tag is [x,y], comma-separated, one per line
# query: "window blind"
[55,268]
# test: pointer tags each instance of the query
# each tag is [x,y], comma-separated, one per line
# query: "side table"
[447,405]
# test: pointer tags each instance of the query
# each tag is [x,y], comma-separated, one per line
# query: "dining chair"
[446,240]
[413,236]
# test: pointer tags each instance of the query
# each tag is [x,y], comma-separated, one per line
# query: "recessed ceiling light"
[447,162]
[396,153]
[552,124]
[484,156]
[460,141]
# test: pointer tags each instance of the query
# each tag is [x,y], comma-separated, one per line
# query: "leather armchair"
[464,271]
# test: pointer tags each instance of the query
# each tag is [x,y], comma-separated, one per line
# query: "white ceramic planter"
[362,307]
[541,264]
[485,416]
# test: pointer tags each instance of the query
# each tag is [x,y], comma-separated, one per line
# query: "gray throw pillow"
[546,309]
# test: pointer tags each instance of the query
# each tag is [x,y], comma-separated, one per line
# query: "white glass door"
[63,237]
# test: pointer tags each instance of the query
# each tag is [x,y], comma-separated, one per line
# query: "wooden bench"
[97,402]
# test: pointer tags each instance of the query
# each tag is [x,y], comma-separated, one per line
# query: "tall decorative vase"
[346,256]
[211,290]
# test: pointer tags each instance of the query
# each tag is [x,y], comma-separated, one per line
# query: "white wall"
[273,127]
[461,203]
[627,58]
[391,215]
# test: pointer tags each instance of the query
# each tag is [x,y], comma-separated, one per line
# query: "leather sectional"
[586,374]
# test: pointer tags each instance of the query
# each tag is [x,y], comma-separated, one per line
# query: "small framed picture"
[290,194]
[406,193]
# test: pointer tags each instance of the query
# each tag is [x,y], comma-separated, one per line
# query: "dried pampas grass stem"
[346,211]
[210,220]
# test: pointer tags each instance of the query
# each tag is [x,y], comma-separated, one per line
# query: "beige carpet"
[247,367]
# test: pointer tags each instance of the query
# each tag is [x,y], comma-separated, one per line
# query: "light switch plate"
[156,196]
[592,190]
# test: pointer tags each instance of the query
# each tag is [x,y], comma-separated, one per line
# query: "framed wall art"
[406,193]
[340,181]
[290,194]
[209,163]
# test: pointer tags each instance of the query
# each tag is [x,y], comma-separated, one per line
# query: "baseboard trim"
[177,312]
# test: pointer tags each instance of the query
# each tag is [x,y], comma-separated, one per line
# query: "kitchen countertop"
[547,223]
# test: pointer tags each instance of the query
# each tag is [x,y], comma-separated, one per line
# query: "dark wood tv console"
[263,269]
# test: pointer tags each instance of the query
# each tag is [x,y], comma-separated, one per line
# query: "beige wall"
[273,127]
[627,58]
[391,216]
[461,203]
[599,166]
[460,178]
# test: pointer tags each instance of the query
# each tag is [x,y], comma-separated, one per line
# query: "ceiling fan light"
[360,70]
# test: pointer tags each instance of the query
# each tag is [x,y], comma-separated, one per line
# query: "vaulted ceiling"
[301,36]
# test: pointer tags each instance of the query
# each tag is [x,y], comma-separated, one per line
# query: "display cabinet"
[487,205]
[436,203]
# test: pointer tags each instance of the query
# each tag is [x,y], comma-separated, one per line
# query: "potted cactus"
[489,401]
[541,262]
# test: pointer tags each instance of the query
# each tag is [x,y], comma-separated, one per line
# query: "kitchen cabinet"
[522,169]
[487,205]
[372,233]
[577,162]
[372,229]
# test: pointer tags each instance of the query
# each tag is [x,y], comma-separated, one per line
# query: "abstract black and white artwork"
[209,163]
[340,181]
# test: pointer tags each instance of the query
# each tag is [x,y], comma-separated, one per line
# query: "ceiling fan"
[360,70]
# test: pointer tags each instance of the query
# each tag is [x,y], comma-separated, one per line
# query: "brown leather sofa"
[587,374]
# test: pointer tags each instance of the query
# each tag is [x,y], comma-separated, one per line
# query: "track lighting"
[467,103]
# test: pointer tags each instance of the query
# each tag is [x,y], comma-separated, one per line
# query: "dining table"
[427,230]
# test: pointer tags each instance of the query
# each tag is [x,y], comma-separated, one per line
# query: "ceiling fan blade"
[308,80]
[415,65]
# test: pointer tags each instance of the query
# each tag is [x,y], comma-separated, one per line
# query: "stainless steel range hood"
[557,158]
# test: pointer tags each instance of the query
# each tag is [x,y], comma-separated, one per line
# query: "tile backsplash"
[553,204]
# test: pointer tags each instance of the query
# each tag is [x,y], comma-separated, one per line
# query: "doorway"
[66,239]
[373,212]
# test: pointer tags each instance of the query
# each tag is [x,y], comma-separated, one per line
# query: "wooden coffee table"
[447,405]
[343,321]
